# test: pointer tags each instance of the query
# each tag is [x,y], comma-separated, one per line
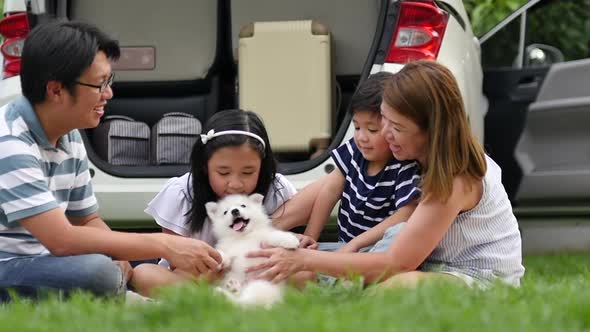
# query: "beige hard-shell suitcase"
[285,76]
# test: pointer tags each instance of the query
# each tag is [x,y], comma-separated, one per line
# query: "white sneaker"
[133,297]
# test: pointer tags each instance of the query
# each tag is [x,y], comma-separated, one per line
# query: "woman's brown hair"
[427,93]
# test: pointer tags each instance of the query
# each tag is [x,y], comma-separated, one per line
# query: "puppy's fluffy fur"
[241,225]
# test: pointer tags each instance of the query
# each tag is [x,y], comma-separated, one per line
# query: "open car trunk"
[184,57]
[295,63]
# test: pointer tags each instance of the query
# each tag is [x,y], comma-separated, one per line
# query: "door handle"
[528,82]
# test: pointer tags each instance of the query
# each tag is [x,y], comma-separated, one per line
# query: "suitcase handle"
[118,117]
[186,115]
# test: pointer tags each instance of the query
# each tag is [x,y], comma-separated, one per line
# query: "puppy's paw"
[233,286]
[229,295]
[225,261]
[288,241]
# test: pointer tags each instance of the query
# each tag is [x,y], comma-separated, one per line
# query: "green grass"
[555,296]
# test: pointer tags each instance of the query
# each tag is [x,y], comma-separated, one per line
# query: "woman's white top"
[483,242]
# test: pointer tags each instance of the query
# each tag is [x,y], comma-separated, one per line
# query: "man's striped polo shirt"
[36,177]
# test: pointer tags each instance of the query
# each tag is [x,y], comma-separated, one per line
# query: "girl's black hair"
[221,121]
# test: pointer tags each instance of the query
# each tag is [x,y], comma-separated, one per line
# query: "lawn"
[555,296]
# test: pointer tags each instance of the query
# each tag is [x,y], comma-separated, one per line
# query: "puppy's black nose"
[235,212]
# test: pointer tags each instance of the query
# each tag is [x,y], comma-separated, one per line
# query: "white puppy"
[241,225]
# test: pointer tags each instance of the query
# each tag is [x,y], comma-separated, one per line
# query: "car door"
[536,69]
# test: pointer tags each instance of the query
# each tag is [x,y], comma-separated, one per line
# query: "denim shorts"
[380,246]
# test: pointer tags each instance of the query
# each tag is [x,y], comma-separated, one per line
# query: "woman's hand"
[279,265]
[306,242]
[349,247]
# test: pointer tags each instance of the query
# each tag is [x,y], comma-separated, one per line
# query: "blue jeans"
[32,276]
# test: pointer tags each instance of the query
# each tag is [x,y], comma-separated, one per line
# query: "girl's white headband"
[212,134]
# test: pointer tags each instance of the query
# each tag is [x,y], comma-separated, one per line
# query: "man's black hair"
[61,51]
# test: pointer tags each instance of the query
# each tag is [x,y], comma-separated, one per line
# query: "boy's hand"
[306,242]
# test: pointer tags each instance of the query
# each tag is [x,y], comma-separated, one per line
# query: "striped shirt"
[483,242]
[36,177]
[367,200]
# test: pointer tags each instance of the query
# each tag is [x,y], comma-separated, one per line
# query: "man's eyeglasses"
[102,86]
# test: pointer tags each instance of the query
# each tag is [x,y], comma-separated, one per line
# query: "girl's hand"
[306,242]
[279,265]
[126,269]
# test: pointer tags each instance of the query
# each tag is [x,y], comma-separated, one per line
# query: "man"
[51,236]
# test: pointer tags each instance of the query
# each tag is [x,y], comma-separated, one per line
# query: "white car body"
[535,113]
[122,200]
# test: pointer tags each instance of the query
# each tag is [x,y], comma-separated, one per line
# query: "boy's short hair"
[367,98]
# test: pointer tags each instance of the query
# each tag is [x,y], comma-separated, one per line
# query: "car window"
[501,50]
[554,31]
[484,15]
[562,24]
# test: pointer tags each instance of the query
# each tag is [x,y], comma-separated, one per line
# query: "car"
[191,67]
[524,101]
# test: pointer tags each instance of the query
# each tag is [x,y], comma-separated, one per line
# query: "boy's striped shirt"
[367,200]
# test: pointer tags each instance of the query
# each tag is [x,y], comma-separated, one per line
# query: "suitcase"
[285,77]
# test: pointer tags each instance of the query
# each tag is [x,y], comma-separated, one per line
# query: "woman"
[463,227]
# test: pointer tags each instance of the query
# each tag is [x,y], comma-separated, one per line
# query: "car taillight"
[14,29]
[419,32]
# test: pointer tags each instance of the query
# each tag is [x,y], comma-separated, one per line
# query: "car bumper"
[9,89]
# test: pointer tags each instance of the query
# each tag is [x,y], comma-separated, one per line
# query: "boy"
[375,190]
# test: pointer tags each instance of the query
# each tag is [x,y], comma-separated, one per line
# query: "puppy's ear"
[257,198]
[211,208]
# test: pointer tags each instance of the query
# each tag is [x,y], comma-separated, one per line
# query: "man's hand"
[306,242]
[190,255]
[213,275]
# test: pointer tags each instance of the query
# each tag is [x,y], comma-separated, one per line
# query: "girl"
[233,157]
[463,227]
